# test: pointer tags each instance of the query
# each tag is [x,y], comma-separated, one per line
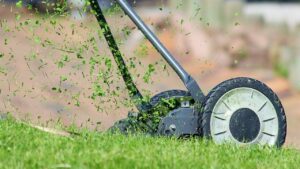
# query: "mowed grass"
[24,147]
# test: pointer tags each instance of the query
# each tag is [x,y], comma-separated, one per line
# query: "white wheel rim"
[249,98]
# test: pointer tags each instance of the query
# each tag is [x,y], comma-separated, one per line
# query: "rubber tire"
[216,93]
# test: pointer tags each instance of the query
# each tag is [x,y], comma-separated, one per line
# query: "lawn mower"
[241,111]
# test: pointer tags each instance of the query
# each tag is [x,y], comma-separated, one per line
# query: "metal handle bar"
[188,81]
[153,39]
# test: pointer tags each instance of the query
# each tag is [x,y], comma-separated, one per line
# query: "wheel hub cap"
[244,125]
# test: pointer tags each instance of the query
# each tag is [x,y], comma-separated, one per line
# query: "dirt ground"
[26,85]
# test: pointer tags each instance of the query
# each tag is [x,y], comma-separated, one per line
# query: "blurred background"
[56,66]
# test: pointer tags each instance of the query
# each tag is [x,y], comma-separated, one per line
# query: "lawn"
[22,146]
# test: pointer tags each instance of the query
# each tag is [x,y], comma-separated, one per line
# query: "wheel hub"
[244,125]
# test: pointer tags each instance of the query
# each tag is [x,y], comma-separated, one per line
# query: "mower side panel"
[181,122]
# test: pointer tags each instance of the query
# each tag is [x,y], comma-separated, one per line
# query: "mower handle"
[153,39]
[188,81]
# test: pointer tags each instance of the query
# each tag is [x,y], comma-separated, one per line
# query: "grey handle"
[154,40]
[188,81]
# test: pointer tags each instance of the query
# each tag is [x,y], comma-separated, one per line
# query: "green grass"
[24,147]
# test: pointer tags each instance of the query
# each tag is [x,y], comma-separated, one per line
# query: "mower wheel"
[243,111]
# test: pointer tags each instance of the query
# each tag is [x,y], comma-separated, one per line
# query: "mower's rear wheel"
[243,111]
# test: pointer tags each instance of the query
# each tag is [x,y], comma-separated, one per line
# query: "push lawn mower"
[243,111]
